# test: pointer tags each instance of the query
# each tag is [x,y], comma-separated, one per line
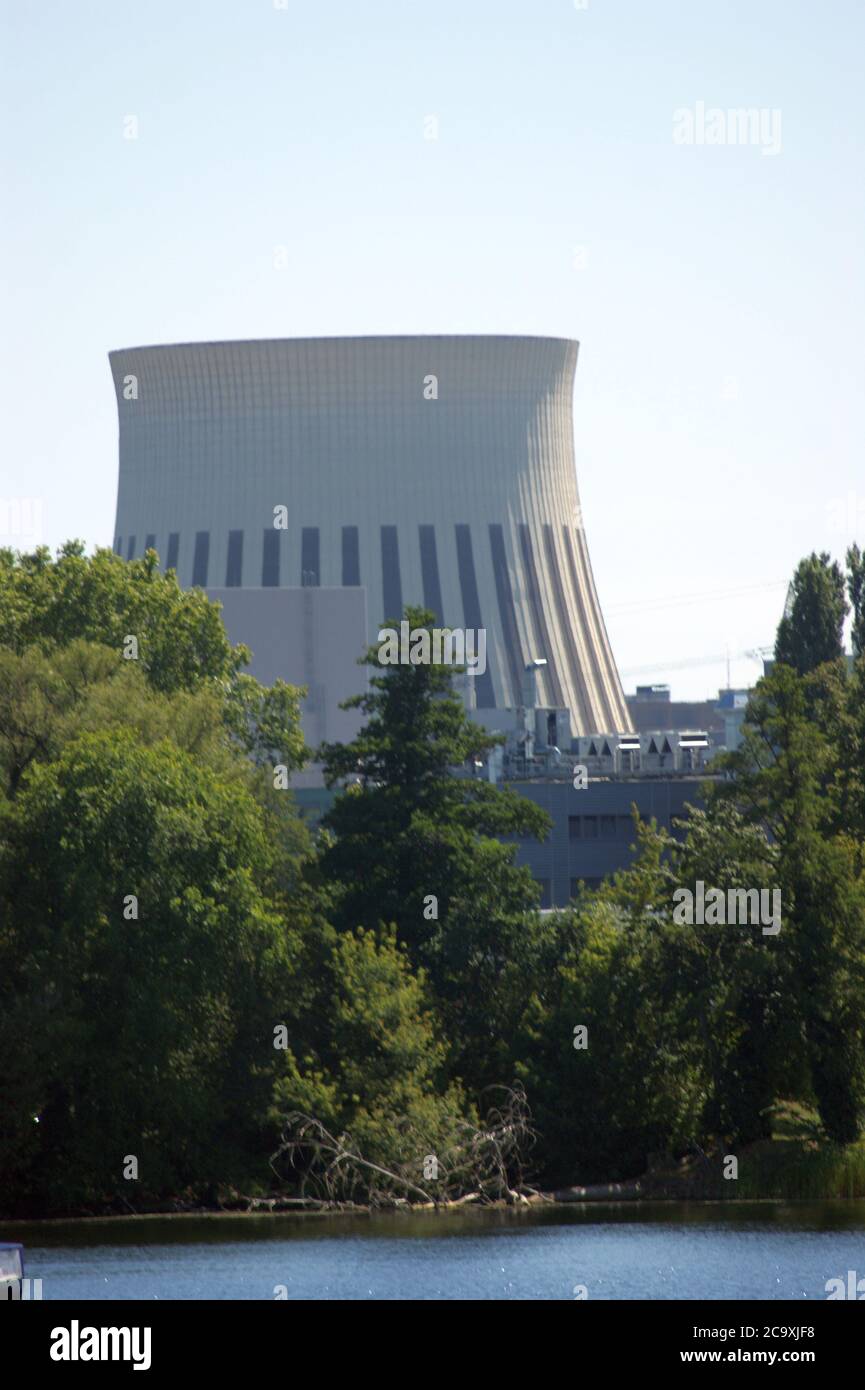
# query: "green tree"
[856,592]
[828,914]
[48,605]
[810,631]
[780,776]
[411,844]
[736,980]
[630,1085]
[147,1034]
[375,1077]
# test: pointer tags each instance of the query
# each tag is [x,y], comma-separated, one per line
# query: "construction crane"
[753,654]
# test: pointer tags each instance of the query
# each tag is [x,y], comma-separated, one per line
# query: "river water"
[651,1251]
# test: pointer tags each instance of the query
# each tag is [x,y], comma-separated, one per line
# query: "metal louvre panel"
[270,558]
[551,676]
[507,614]
[350,557]
[391,582]
[472,608]
[432,591]
[201,558]
[310,557]
[584,712]
[234,563]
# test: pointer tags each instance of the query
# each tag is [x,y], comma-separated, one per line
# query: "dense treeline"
[198,999]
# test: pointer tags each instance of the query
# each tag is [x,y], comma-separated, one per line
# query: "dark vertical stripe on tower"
[350,557]
[391,583]
[130,549]
[429,568]
[150,542]
[538,615]
[579,588]
[200,558]
[578,679]
[118,545]
[609,672]
[507,612]
[234,564]
[270,559]
[309,557]
[472,608]
[173,550]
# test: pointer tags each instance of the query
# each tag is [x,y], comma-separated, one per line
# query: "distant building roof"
[648,715]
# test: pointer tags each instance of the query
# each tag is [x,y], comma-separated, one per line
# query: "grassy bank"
[798,1163]
[784,1170]
[799,1169]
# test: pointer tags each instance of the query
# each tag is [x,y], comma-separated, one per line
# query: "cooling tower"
[427,470]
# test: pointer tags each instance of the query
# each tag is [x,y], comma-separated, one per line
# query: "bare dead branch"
[480,1163]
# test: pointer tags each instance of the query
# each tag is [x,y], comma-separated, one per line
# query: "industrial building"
[436,471]
[315,487]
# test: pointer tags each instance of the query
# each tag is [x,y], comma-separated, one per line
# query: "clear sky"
[282,184]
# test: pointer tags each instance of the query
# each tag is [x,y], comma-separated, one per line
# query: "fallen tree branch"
[478,1164]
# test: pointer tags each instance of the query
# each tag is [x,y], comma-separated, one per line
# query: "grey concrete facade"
[305,636]
[429,470]
[593,828]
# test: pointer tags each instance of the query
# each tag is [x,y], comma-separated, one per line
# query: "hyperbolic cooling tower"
[433,470]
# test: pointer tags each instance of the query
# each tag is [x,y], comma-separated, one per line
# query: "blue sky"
[717,291]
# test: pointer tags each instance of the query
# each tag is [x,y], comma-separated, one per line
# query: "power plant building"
[381,471]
